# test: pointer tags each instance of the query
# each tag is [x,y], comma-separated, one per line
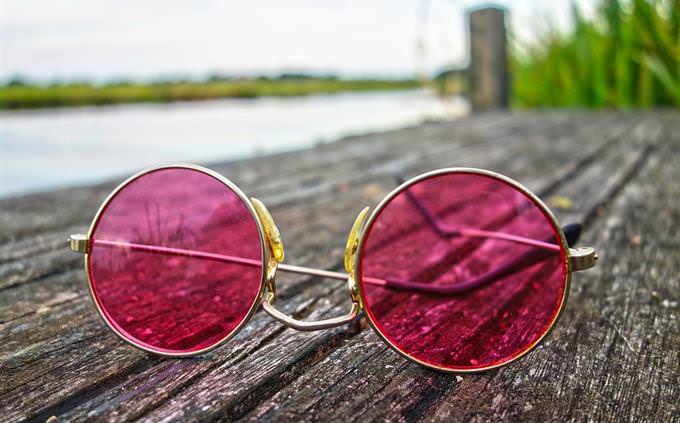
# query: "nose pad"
[271,231]
[353,241]
[274,244]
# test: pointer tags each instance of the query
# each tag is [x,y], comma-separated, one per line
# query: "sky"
[100,40]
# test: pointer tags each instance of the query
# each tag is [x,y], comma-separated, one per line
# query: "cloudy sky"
[107,39]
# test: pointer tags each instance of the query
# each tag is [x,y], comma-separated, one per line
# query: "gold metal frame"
[81,242]
[273,255]
[376,212]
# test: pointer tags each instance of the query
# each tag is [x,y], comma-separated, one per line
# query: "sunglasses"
[458,269]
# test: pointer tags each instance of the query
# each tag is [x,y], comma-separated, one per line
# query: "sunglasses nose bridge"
[349,261]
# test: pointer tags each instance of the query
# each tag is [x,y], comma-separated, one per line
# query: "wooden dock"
[614,355]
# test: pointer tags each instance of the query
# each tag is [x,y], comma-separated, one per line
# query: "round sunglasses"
[458,269]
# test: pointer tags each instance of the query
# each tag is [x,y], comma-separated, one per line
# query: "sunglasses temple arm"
[180,252]
[398,284]
[443,231]
[504,270]
[508,268]
[580,258]
[80,244]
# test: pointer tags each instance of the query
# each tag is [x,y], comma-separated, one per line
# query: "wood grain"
[613,355]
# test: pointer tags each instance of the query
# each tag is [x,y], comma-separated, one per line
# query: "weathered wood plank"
[277,217]
[389,381]
[615,354]
[221,379]
[61,361]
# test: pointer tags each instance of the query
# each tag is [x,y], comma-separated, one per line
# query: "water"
[42,150]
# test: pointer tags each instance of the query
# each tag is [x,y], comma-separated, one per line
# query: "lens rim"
[263,246]
[482,172]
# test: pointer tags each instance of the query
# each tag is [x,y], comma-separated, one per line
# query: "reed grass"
[627,56]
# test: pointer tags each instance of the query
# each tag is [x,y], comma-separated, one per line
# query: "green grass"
[627,56]
[20,96]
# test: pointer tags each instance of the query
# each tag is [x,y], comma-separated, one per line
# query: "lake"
[47,149]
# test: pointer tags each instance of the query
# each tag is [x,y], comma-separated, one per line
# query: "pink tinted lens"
[462,271]
[175,261]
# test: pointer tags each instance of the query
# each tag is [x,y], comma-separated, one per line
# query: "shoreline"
[35,97]
[208,101]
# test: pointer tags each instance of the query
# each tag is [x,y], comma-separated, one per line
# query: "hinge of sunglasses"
[78,243]
[582,258]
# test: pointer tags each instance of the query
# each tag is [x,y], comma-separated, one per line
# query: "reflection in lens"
[462,271]
[157,261]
